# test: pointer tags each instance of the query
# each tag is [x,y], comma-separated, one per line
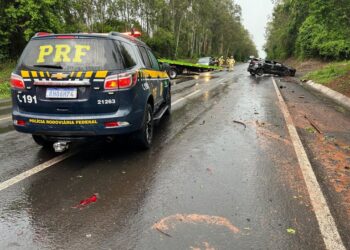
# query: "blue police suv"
[69,87]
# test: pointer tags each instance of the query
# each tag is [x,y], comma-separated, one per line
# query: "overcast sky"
[255,15]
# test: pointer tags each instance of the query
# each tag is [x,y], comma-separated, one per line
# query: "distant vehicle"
[208,61]
[260,67]
[69,87]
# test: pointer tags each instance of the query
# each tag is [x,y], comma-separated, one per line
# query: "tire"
[144,136]
[41,141]
[173,73]
[259,72]
[286,73]
[251,73]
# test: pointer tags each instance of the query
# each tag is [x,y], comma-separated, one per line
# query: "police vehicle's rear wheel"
[42,141]
[145,135]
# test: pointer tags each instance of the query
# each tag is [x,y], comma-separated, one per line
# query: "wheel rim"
[172,74]
[149,127]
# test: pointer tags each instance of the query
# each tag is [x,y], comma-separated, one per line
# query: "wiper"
[51,66]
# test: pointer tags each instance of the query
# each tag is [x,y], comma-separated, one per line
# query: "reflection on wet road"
[222,174]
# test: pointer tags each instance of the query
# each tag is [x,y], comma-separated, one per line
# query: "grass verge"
[335,75]
[5,72]
[329,73]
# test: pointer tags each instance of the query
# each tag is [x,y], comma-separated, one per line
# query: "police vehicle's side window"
[145,58]
[154,61]
[128,54]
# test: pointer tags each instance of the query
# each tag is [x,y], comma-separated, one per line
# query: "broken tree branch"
[241,123]
[162,232]
[313,124]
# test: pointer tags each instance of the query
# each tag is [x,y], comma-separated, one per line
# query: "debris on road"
[87,201]
[206,246]
[170,222]
[162,232]
[88,236]
[202,123]
[313,124]
[310,130]
[241,123]
[291,231]
[260,124]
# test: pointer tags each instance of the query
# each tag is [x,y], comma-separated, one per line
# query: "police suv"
[69,87]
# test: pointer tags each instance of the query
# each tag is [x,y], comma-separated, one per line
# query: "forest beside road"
[298,31]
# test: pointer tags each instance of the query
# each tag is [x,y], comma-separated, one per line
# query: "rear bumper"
[78,125]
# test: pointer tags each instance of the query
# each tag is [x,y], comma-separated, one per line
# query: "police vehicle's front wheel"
[145,135]
[41,141]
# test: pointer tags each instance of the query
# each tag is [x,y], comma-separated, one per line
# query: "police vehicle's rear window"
[76,54]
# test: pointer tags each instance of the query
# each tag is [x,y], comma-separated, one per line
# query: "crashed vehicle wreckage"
[261,66]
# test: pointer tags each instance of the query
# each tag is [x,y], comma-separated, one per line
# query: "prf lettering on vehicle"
[63,52]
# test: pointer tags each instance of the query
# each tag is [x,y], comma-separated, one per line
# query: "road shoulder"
[323,127]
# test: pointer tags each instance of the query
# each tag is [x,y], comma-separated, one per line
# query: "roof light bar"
[133,33]
[42,33]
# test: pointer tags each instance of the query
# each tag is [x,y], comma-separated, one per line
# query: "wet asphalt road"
[209,182]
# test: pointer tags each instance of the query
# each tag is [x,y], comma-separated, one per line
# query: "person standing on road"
[231,63]
[221,61]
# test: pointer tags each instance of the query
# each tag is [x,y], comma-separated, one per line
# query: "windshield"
[79,54]
[204,60]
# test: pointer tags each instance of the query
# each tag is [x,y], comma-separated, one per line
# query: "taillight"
[17,82]
[121,81]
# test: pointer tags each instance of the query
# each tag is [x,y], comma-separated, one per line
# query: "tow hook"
[60,146]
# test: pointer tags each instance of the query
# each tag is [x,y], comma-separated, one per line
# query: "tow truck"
[179,67]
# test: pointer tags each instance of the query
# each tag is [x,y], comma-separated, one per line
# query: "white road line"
[35,170]
[183,98]
[324,217]
[5,118]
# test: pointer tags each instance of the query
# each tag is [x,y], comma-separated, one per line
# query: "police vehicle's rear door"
[160,77]
[152,76]
[66,74]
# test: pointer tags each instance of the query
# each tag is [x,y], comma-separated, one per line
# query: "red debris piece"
[87,201]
